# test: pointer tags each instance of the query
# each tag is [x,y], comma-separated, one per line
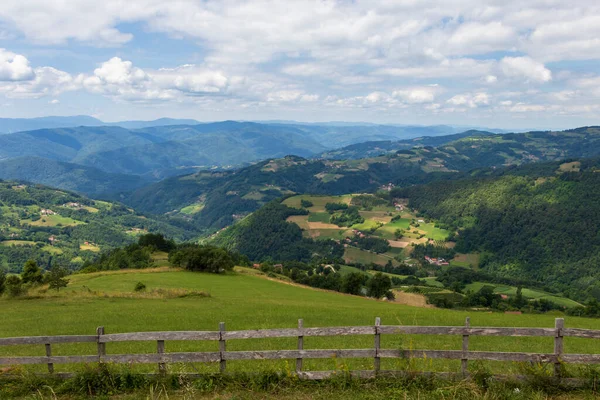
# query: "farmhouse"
[436,261]
[44,211]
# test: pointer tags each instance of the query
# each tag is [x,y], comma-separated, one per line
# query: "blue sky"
[507,64]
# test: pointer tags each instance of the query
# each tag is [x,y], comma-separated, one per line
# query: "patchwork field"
[380,220]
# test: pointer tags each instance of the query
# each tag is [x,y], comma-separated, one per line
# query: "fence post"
[160,349]
[300,346]
[49,354]
[222,348]
[465,348]
[559,324]
[377,362]
[101,346]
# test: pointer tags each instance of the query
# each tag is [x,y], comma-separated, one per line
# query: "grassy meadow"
[176,300]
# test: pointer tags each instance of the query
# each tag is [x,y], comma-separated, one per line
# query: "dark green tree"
[32,273]
[353,282]
[56,278]
[379,285]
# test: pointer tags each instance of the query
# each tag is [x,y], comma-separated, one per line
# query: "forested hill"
[474,149]
[214,200]
[58,227]
[540,223]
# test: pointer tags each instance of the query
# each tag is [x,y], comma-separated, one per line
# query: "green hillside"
[222,197]
[68,176]
[161,150]
[540,225]
[56,227]
[245,300]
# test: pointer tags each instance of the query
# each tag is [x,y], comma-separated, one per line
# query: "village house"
[436,261]
[44,211]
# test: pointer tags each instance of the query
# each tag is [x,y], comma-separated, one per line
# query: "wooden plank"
[48,360]
[222,347]
[153,358]
[300,346]
[48,340]
[580,358]
[465,348]
[152,336]
[453,330]
[377,360]
[582,333]
[559,324]
[281,333]
[160,349]
[470,355]
[304,354]
[101,345]
[49,354]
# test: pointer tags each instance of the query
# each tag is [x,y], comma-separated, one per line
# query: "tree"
[352,283]
[157,241]
[55,278]
[2,282]
[31,273]
[14,285]
[306,203]
[202,258]
[379,285]
[398,234]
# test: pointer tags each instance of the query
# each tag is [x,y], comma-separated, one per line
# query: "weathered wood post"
[377,362]
[49,354]
[465,348]
[101,346]
[300,346]
[222,348]
[559,324]
[160,349]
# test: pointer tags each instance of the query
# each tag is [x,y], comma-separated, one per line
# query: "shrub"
[202,258]
[2,282]
[157,241]
[32,273]
[139,287]
[55,278]
[306,203]
[14,286]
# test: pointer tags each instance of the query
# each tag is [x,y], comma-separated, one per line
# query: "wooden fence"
[161,358]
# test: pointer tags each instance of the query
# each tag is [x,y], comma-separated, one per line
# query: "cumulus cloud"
[471,100]
[525,68]
[14,67]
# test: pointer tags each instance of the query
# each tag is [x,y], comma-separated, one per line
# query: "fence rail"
[161,358]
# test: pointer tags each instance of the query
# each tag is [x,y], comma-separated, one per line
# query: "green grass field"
[355,255]
[53,220]
[529,293]
[17,243]
[192,209]
[246,301]
[319,217]
[318,201]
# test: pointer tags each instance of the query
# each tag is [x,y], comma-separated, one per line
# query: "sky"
[505,64]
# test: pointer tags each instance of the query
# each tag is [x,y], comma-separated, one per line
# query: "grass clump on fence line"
[106,380]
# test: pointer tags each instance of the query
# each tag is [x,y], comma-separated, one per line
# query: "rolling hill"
[159,151]
[539,222]
[60,227]
[68,176]
[216,199]
[474,149]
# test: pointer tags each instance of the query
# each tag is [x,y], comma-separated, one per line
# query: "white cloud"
[471,100]
[416,95]
[525,68]
[14,67]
